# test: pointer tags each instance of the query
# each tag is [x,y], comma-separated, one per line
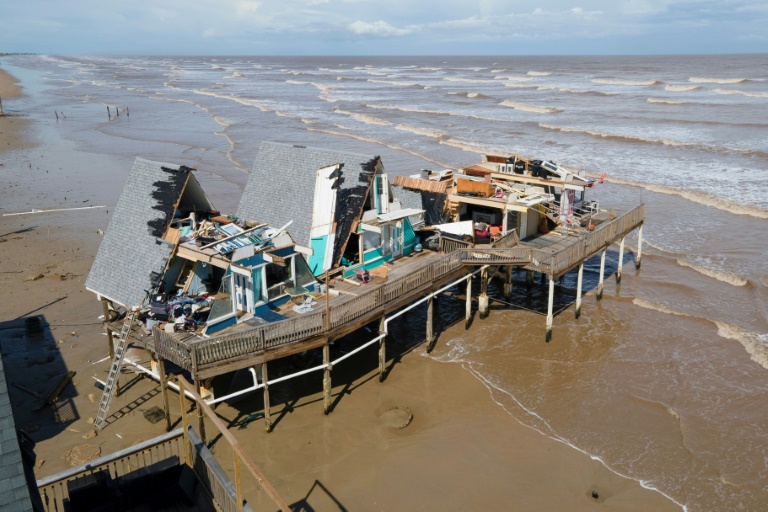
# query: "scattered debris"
[91,397]
[39,464]
[81,454]
[54,395]
[90,434]
[35,277]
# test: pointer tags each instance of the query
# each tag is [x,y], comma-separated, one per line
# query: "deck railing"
[54,490]
[194,355]
[451,244]
[276,334]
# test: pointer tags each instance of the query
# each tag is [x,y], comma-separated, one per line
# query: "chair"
[495,233]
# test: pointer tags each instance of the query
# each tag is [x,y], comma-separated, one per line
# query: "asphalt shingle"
[14,494]
[133,247]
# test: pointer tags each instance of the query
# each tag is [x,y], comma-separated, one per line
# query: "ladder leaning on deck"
[114,370]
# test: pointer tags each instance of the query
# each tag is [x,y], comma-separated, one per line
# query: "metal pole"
[578,289]
[550,305]
[602,273]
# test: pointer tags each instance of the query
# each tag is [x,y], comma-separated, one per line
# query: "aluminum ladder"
[114,371]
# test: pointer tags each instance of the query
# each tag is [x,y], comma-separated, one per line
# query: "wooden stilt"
[468,314]
[184,424]
[327,379]
[508,283]
[430,331]
[238,481]
[621,259]
[164,392]
[528,280]
[602,274]
[109,114]
[267,417]
[200,413]
[542,278]
[382,349]
[483,298]
[550,305]
[639,246]
[110,342]
[578,289]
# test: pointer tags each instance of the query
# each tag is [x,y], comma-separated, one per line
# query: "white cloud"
[247,7]
[379,28]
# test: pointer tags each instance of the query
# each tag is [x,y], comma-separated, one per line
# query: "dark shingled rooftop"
[14,493]
[133,247]
[281,187]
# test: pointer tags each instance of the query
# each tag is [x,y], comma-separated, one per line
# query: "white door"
[243,293]
[397,240]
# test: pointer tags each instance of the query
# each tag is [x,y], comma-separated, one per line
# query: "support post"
[550,304]
[578,289]
[183,405]
[639,246]
[110,342]
[602,273]
[621,259]
[238,482]
[327,378]
[267,417]
[468,316]
[483,298]
[382,349]
[430,331]
[200,413]
[528,281]
[164,391]
[508,283]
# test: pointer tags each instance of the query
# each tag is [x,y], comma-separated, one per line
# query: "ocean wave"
[701,80]
[469,147]
[363,118]
[381,142]
[519,85]
[539,73]
[655,306]
[420,131]
[569,90]
[468,80]
[236,74]
[396,82]
[514,78]
[697,197]
[606,81]
[720,275]
[756,344]
[530,108]
[617,136]
[411,109]
[498,70]
[248,103]
[742,93]
[681,88]
[661,100]
[468,94]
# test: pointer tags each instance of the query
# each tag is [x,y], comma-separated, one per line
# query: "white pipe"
[255,386]
[50,211]
[155,376]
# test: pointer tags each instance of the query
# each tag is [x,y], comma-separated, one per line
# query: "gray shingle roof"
[133,246]
[281,187]
[14,493]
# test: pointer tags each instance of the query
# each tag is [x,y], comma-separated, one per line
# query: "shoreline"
[462,448]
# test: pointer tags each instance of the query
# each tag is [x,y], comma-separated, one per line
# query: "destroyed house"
[341,204]
[168,252]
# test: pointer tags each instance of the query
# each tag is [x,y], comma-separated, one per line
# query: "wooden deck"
[408,279]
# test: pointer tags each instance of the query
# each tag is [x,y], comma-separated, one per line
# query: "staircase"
[114,371]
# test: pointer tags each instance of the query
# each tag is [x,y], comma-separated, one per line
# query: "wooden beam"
[327,379]
[164,391]
[265,382]
[430,338]
[236,447]
[382,349]
[231,237]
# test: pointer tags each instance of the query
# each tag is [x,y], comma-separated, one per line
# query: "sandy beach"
[461,451]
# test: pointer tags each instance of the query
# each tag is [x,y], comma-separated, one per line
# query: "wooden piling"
[430,338]
[382,349]
[183,405]
[578,289]
[56,114]
[529,278]
[621,259]
[483,297]
[267,417]
[508,283]
[550,304]
[164,391]
[468,314]
[602,274]
[327,378]
[200,413]
[110,341]
[639,246]
[109,114]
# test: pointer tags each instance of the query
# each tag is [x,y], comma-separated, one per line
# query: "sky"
[384,27]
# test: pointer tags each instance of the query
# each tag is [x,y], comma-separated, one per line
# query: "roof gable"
[133,247]
[281,187]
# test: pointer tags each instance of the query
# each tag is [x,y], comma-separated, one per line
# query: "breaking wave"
[700,80]
[720,275]
[249,103]
[625,82]
[756,344]
[742,93]
[412,109]
[514,78]
[469,80]
[661,100]
[681,88]
[468,94]
[396,82]
[605,135]
[420,131]
[569,90]
[697,197]
[530,108]
[363,118]
[539,73]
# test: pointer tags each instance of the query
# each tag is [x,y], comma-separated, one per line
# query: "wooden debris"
[54,395]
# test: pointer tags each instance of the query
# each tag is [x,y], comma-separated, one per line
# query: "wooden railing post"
[238,484]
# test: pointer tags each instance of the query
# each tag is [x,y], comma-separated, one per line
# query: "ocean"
[665,380]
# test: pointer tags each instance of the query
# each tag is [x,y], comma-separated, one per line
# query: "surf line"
[50,211]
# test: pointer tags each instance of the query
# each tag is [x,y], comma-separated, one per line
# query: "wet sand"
[460,452]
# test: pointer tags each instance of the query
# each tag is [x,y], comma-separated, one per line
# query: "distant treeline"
[3,54]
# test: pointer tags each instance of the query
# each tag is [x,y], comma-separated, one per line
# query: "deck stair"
[114,370]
